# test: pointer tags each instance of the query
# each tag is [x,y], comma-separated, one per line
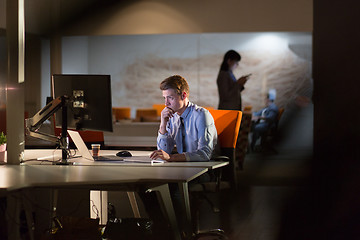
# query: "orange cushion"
[121,112]
[227,123]
[159,108]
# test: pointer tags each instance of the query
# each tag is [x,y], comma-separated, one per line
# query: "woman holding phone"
[229,87]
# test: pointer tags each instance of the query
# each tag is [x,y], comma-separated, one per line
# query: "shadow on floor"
[266,183]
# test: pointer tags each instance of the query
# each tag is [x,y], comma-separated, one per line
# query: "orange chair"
[281,111]
[227,123]
[121,113]
[159,108]
[146,115]
[247,108]
[209,108]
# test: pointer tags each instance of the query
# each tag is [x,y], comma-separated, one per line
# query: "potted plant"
[2,146]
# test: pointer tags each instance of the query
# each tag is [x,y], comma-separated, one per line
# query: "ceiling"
[43,17]
[47,16]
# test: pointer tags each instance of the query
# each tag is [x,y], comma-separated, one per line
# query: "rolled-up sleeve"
[165,141]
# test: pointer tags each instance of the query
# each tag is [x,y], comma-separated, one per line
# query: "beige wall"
[201,16]
[158,16]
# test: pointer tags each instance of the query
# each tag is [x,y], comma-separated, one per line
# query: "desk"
[98,178]
[46,155]
[53,155]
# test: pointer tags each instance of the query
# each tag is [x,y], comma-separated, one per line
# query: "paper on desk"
[143,159]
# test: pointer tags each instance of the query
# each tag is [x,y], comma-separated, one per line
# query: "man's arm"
[164,140]
[271,115]
[178,157]
[166,114]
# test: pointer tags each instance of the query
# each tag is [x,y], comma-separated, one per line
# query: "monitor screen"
[89,106]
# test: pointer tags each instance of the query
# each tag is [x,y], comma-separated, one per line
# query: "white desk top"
[15,177]
[42,174]
[53,155]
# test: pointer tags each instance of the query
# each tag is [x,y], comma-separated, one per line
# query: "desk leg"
[28,212]
[186,201]
[55,194]
[165,200]
[134,205]
[13,215]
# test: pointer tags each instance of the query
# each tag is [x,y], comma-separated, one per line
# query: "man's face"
[267,102]
[173,100]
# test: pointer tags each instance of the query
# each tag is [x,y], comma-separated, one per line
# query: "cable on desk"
[94,208]
[41,161]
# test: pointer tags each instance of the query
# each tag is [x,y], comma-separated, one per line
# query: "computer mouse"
[124,154]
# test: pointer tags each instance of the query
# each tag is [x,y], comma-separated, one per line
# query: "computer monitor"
[89,106]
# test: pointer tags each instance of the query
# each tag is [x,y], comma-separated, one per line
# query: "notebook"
[84,151]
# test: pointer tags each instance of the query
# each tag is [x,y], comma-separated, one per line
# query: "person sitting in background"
[263,120]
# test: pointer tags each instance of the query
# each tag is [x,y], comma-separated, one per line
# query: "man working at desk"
[191,128]
[184,124]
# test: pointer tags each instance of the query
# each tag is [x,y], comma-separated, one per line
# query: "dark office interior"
[308,187]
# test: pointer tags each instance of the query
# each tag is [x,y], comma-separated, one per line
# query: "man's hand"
[166,114]
[160,154]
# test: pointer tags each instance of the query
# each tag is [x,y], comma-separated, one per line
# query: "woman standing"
[228,86]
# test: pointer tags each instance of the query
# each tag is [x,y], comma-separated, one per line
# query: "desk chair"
[227,123]
[159,108]
[121,113]
[247,108]
[209,107]
[281,111]
[271,133]
[146,115]
[243,139]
